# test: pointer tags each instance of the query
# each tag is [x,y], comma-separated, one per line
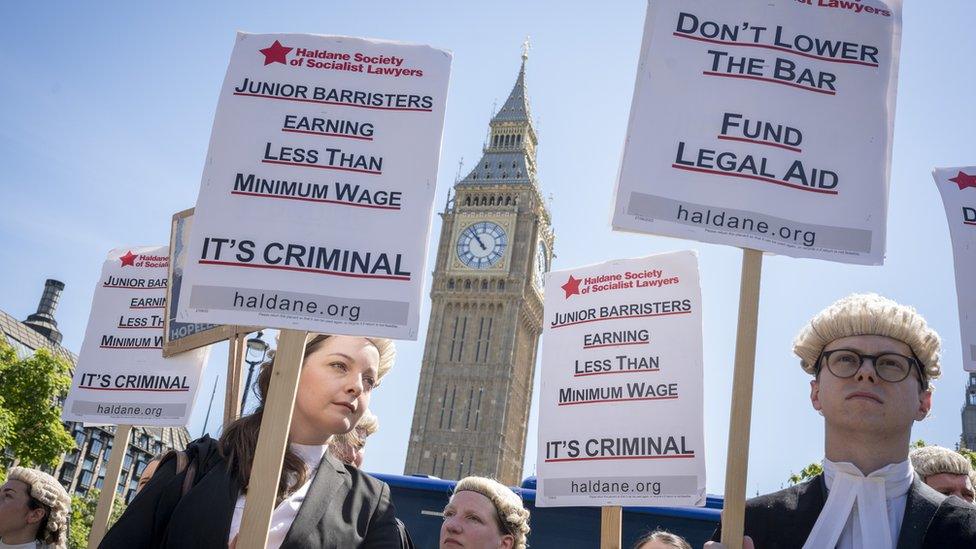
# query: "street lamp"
[257,351]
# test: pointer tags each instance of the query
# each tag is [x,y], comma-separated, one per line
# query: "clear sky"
[106,115]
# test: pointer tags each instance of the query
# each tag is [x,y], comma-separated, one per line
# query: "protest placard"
[121,376]
[315,203]
[184,336]
[621,417]
[958,189]
[765,125]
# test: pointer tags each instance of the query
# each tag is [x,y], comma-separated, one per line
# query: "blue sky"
[106,116]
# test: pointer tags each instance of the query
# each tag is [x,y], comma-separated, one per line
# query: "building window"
[450,284]
[67,473]
[501,284]
[477,409]
[85,479]
[450,415]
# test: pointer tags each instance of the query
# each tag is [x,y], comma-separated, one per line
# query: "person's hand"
[746,544]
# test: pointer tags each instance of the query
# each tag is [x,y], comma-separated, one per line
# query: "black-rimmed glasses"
[891,367]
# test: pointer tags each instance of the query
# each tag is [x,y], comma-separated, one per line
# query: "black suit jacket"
[343,508]
[784,519]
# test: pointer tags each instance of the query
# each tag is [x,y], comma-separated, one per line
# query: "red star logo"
[275,53]
[964,180]
[129,259]
[571,286]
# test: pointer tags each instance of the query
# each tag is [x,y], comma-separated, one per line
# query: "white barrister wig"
[512,515]
[47,490]
[869,314]
[935,460]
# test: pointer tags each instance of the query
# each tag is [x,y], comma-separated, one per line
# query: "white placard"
[121,376]
[315,204]
[620,407]
[958,189]
[764,124]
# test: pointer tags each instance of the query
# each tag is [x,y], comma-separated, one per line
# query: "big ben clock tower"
[496,241]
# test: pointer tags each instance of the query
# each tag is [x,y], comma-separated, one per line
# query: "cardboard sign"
[315,204]
[121,376]
[621,404]
[178,336]
[764,125]
[958,189]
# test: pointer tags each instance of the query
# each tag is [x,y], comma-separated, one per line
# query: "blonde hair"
[869,314]
[665,537]
[934,460]
[344,445]
[513,517]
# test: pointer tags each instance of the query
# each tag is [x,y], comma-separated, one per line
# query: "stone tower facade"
[496,241]
[969,415]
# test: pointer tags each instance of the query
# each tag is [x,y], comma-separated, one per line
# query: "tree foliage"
[83,514]
[806,473]
[30,417]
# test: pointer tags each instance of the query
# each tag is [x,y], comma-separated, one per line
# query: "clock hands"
[475,235]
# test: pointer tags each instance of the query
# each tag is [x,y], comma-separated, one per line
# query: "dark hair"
[664,537]
[34,504]
[240,438]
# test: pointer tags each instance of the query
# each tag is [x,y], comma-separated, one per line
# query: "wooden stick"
[107,498]
[235,355]
[275,423]
[611,526]
[740,417]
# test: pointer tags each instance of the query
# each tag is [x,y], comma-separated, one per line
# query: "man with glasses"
[872,361]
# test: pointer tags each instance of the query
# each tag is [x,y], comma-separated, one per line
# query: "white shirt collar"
[863,501]
[897,477]
[311,454]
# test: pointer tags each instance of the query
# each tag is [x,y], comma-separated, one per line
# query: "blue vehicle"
[420,500]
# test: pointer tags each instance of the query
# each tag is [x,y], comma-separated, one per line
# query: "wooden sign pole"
[232,395]
[107,497]
[737,461]
[275,424]
[611,527]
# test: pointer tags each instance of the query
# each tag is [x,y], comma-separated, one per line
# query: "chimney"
[43,320]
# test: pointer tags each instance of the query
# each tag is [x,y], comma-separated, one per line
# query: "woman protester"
[320,503]
[484,514]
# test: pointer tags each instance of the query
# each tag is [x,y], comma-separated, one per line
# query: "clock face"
[482,244]
[541,264]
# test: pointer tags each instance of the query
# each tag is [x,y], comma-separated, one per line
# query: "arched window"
[484,284]
[508,200]
[501,284]
[450,284]
[491,201]
[467,284]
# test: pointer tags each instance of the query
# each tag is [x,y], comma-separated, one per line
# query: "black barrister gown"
[784,519]
[343,508]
